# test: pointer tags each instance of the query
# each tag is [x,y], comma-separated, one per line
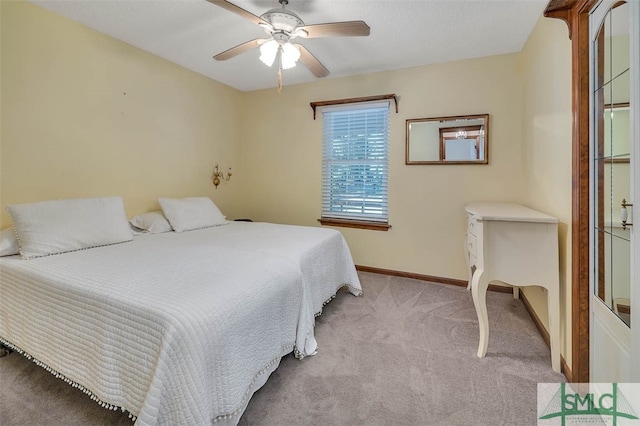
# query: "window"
[355,164]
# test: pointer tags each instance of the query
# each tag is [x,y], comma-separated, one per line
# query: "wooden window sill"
[360,224]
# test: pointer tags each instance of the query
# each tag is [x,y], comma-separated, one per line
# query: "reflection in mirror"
[612,244]
[448,140]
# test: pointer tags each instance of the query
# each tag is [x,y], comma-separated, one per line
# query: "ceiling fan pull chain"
[279,79]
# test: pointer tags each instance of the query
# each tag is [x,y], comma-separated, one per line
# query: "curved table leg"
[553,302]
[479,292]
[468,261]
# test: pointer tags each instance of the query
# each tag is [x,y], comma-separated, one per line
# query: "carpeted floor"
[402,354]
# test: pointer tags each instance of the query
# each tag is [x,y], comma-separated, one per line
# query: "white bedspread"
[176,328]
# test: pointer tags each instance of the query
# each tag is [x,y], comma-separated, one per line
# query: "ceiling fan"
[284,25]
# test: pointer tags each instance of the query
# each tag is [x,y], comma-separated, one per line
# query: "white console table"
[517,246]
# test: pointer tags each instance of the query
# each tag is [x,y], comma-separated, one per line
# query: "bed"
[175,328]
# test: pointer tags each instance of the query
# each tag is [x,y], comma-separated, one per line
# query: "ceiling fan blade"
[240,11]
[347,28]
[236,50]
[310,61]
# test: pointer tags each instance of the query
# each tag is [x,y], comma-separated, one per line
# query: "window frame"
[357,222]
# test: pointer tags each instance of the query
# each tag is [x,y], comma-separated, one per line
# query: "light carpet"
[402,354]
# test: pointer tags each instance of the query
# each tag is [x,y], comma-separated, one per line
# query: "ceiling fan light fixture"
[284,25]
[290,55]
[268,52]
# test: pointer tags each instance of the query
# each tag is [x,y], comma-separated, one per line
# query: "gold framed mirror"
[462,139]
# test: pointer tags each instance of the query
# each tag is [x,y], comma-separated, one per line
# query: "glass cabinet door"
[611,156]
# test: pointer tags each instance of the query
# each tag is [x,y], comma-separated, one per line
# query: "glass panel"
[615,119]
[617,140]
[619,95]
[604,43]
[611,161]
[620,275]
[606,268]
[607,196]
[616,130]
[620,189]
[600,255]
[606,123]
[618,43]
[602,236]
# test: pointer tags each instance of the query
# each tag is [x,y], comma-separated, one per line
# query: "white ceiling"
[404,33]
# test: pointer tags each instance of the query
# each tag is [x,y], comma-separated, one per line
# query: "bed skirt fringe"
[353,290]
[61,376]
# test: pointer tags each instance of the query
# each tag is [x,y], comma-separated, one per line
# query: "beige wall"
[547,124]
[282,146]
[86,115]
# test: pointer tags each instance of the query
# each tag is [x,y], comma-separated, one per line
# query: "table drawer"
[472,225]
[471,245]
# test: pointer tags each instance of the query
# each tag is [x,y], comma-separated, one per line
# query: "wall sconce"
[218,176]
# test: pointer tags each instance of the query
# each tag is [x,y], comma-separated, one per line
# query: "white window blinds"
[355,162]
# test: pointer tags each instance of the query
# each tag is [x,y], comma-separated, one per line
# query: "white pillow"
[186,214]
[60,226]
[152,222]
[8,242]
